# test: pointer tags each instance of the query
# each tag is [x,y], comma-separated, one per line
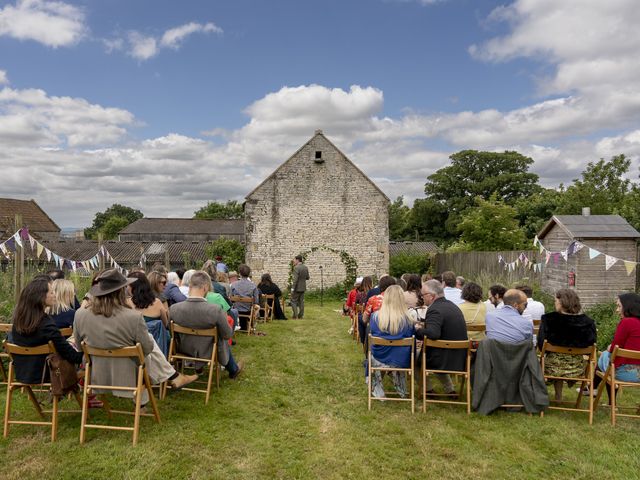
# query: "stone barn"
[317,202]
[604,237]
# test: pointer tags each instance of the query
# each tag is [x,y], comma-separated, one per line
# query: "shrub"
[231,251]
[606,318]
[406,262]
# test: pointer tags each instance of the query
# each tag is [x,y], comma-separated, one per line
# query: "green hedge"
[607,319]
[404,262]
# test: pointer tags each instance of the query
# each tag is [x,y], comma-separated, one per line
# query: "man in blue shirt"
[507,324]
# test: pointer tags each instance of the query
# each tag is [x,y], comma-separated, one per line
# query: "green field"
[300,411]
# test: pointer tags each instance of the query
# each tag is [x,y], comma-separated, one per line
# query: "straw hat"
[109,281]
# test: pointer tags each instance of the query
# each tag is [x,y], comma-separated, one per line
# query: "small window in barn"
[318,154]
[318,157]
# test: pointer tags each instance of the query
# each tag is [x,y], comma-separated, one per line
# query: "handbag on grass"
[63,375]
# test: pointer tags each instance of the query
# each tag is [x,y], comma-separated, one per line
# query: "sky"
[163,106]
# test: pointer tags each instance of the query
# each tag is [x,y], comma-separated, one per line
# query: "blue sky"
[165,105]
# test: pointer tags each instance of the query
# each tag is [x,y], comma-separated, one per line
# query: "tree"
[399,220]
[231,210]
[231,251]
[475,174]
[128,214]
[491,225]
[602,188]
[536,210]
[110,229]
[428,219]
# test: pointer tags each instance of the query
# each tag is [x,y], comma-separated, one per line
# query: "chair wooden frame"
[66,331]
[212,362]
[12,385]
[251,316]
[609,379]
[465,374]
[585,381]
[268,300]
[356,311]
[404,342]
[136,354]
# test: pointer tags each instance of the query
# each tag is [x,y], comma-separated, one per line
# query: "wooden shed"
[597,237]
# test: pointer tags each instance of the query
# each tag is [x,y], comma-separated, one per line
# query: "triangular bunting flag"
[48,252]
[593,253]
[548,257]
[17,239]
[541,248]
[630,266]
[32,241]
[24,233]
[39,249]
[564,254]
[609,261]
[579,246]
[3,249]
[56,259]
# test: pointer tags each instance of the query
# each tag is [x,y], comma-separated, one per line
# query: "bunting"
[609,261]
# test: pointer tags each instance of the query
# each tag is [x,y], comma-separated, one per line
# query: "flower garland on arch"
[350,264]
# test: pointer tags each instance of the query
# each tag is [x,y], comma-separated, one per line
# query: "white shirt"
[534,309]
[491,306]
[453,295]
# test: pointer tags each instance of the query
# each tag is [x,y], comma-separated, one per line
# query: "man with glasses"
[507,324]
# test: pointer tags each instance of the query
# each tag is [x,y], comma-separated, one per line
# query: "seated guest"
[197,313]
[245,288]
[507,324]
[221,284]
[155,314]
[566,327]
[32,327]
[375,290]
[57,274]
[109,323]
[220,265]
[267,287]
[460,281]
[444,321]
[391,322]
[158,282]
[413,294]
[64,309]
[473,309]
[351,297]
[172,291]
[534,309]
[375,302]
[627,336]
[233,277]
[451,293]
[496,292]
[184,283]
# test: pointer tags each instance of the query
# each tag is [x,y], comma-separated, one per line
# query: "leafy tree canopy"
[231,251]
[534,211]
[399,220]
[491,225]
[231,210]
[103,223]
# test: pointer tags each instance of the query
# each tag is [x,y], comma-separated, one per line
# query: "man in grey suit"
[299,286]
[196,312]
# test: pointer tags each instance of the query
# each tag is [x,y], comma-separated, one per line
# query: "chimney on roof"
[586,211]
[318,132]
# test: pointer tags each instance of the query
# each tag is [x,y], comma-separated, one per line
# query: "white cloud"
[143,47]
[174,37]
[52,23]
[4,80]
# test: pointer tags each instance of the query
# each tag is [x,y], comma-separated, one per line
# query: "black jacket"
[444,321]
[565,330]
[29,368]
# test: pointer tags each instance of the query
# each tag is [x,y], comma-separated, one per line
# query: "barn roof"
[33,216]
[185,225]
[591,226]
[318,133]
[412,247]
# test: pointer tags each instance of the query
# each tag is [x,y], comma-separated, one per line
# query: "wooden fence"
[486,264]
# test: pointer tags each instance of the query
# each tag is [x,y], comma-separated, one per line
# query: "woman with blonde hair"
[391,322]
[63,310]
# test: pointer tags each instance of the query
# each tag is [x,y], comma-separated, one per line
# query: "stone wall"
[309,202]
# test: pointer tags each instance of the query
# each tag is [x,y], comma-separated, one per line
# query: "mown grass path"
[299,411]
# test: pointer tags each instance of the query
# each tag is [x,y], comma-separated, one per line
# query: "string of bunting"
[521,260]
[22,237]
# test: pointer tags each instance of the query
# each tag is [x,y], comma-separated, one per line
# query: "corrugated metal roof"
[185,225]
[591,226]
[412,247]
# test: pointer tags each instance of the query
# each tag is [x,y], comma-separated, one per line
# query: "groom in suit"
[299,286]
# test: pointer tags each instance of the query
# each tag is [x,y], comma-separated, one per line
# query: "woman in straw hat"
[108,322]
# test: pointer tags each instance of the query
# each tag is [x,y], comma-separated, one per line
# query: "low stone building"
[182,229]
[318,198]
[34,218]
[601,236]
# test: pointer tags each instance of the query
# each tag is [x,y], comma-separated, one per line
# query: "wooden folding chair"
[586,380]
[356,312]
[405,342]
[5,328]
[12,385]
[465,374]
[268,302]
[536,326]
[66,332]
[250,316]
[143,383]
[212,362]
[609,379]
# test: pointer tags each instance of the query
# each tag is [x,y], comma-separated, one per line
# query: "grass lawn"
[300,411]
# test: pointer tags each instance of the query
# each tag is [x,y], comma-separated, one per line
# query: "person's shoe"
[237,327]
[239,371]
[183,380]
